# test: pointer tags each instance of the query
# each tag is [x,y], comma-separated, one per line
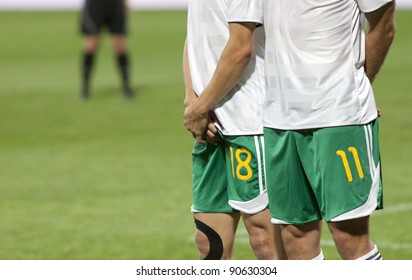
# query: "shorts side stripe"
[259,162]
[369,140]
[262,142]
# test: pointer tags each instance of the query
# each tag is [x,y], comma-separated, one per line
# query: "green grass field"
[110,178]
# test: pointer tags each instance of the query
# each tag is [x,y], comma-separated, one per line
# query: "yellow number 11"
[355,155]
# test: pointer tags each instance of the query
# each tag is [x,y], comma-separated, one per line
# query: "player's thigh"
[91,43]
[354,227]
[302,241]
[259,222]
[119,43]
[215,234]
[224,224]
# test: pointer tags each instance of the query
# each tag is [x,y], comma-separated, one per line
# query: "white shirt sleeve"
[367,6]
[245,11]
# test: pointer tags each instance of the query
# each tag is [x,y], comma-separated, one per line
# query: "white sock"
[372,255]
[319,257]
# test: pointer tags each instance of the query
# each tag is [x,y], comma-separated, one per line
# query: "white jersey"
[241,110]
[315,55]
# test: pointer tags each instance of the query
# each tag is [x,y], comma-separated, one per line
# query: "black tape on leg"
[215,242]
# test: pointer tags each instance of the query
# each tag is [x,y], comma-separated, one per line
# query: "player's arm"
[379,38]
[191,96]
[233,61]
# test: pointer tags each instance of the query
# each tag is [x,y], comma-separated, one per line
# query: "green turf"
[110,178]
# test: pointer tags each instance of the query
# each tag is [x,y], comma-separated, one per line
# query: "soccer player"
[96,15]
[223,57]
[321,121]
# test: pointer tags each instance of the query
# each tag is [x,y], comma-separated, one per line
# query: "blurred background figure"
[96,15]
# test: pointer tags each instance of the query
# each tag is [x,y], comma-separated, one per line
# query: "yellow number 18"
[241,163]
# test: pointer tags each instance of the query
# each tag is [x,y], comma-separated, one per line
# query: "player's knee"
[309,231]
[262,244]
[290,234]
[202,244]
[208,241]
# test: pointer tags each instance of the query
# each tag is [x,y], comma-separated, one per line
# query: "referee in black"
[96,15]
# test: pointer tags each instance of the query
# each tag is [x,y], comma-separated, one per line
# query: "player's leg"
[215,235]
[291,199]
[117,23]
[91,44]
[215,220]
[264,237]
[353,240]
[91,21]
[248,193]
[119,44]
[352,186]
[302,242]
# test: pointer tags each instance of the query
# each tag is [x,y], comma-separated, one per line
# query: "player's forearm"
[379,38]
[226,77]
[232,64]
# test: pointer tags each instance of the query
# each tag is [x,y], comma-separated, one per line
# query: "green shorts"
[209,180]
[229,176]
[332,174]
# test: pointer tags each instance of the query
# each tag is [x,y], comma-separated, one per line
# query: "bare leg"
[302,242]
[352,237]
[91,43]
[224,225]
[264,236]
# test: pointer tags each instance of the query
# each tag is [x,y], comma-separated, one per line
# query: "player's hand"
[379,113]
[196,122]
[212,135]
